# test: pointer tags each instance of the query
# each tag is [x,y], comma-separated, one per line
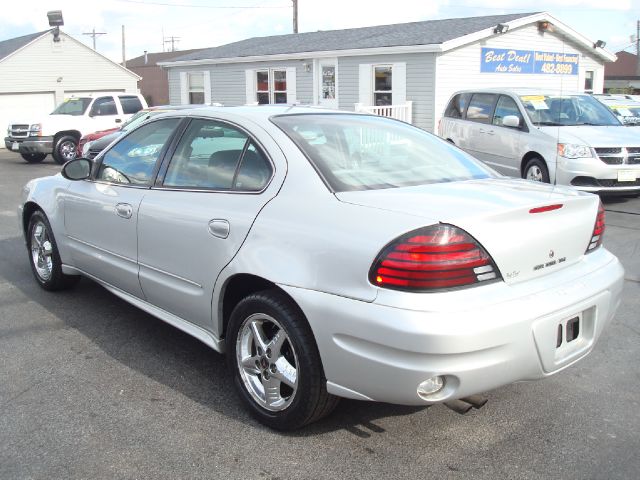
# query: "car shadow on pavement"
[155,349]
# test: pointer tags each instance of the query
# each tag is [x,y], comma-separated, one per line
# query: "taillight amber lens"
[433,258]
[598,230]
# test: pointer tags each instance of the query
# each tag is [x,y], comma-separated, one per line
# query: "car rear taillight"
[598,231]
[433,258]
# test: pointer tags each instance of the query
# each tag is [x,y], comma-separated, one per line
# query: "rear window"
[130,104]
[456,106]
[362,152]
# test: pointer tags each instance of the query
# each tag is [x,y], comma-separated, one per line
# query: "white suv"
[59,132]
[553,137]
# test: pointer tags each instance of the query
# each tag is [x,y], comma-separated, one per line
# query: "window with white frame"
[382,85]
[588,81]
[196,87]
[271,86]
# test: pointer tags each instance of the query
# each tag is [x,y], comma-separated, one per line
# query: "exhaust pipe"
[477,401]
[458,406]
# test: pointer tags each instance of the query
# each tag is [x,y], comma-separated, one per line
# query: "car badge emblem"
[551,253]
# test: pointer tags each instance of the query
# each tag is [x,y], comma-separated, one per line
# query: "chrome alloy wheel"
[267,362]
[534,172]
[68,150]
[41,251]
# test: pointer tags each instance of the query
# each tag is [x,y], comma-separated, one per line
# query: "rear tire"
[536,170]
[33,157]
[65,149]
[44,257]
[275,362]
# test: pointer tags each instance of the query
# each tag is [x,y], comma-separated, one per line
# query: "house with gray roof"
[406,71]
[39,70]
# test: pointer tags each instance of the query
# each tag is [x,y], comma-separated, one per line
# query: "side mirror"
[511,121]
[77,169]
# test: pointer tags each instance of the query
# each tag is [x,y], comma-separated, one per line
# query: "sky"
[208,23]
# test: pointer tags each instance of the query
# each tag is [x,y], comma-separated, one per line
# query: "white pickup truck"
[59,132]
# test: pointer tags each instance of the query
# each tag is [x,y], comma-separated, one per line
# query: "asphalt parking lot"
[91,387]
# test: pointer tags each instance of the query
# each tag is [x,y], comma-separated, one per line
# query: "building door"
[327,79]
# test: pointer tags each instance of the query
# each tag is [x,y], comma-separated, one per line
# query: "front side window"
[196,88]
[271,86]
[481,107]
[132,160]
[130,104]
[72,106]
[567,110]
[382,89]
[354,152]
[104,106]
[214,155]
[505,107]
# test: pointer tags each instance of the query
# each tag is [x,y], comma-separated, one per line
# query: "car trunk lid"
[529,229]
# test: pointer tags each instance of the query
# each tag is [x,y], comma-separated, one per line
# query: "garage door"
[23,107]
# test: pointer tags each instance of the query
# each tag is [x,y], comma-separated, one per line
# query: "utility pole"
[124,58]
[172,40]
[295,16]
[638,47]
[94,34]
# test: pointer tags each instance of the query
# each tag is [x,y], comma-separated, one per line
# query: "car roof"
[617,101]
[258,112]
[519,91]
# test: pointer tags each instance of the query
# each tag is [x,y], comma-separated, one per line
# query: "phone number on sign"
[560,68]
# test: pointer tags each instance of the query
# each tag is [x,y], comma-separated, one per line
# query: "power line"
[167,4]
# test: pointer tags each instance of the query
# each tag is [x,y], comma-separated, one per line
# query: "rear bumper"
[380,352]
[29,145]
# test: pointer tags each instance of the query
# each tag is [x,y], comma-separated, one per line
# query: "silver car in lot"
[331,254]
[554,137]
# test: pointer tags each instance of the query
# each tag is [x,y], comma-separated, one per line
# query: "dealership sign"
[505,60]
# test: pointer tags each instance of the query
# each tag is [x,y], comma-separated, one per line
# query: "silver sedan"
[331,255]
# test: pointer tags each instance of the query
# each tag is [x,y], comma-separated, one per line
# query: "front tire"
[65,149]
[33,157]
[44,257]
[275,362]
[536,170]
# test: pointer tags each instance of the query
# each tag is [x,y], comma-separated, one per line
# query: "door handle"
[490,132]
[219,228]
[118,120]
[124,210]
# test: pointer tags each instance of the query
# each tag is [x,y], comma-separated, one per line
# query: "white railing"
[399,112]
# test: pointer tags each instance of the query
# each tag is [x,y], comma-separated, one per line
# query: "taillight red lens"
[598,230]
[433,258]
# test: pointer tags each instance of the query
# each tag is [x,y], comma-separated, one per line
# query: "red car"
[90,137]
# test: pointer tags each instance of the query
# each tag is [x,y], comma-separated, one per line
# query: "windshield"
[628,114]
[72,106]
[136,120]
[567,110]
[362,152]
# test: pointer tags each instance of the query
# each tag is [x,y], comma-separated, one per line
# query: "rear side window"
[214,155]
[104,106]
[481,107]
[457,105]
[130,104]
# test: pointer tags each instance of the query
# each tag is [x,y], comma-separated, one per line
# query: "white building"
[37,73]
[407,70]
